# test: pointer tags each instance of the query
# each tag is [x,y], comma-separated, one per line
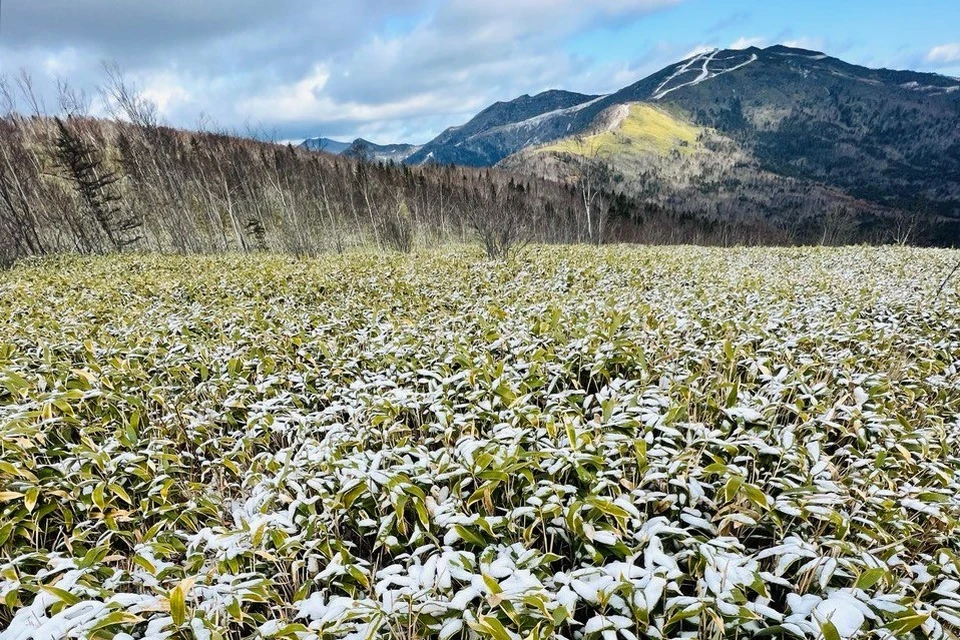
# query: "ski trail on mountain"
[682,70]
[705,72]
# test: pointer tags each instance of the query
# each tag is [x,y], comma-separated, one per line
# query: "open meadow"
[595,444]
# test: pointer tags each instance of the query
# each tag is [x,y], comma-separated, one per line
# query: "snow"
[816,56]
[703,59]
[843,610]
[626,463]
[535,121]
[748,414]
[913,85]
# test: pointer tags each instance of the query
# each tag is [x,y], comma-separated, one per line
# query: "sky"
[404,70]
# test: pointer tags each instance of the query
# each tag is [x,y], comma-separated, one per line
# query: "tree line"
[70,182]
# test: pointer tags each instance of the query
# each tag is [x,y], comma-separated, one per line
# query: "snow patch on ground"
[929,89]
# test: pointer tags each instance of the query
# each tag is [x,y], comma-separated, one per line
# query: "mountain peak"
[361,147]
[782,48]
[325,144]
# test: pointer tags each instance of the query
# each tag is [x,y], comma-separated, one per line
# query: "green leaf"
[903,626]
[115,618]
[350,496]
[492,584]
[93,556]
[829,631]
[470,536]
[30,498]
[560,615]
[98,498]
[65,596]
[870,577]
[755,495]
[5,532]
[120,491]
[494,628]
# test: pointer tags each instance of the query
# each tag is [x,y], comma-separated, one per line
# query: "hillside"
[366,150]
[657,155]
[98,186]
[362,149]
[633,128]
[502,128]
[326,145]
[891,137]
[787,120]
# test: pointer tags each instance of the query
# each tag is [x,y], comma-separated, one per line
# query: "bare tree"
[838,225]
[398,228]
[29,94]
[499,222]
[910,225]
[364,183]
[73,103]
[126,100]
[593,178]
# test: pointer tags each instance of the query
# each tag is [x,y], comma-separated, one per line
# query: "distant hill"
[381,152]
[325,144]
[361,148]
[767,132]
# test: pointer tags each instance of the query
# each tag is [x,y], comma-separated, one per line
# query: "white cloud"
[377,68]
[945,53]
[305,100]
[60,62]
[460,59]
[697,50]
[746,43]
[166,92]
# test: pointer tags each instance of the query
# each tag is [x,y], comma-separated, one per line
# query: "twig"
[946,280]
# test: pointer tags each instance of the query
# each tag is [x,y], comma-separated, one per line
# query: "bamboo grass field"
[583,443]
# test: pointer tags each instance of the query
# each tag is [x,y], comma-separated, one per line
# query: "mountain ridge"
[885,139]
[781,133]
[361,148]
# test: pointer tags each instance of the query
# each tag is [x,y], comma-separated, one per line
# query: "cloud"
[165,91]
[140,31]
[308,67]
[945,53]
[457,61]
[697,50]
[733,20]
[746,43]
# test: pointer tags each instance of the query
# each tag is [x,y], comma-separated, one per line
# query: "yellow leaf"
[30,498]
[178,601]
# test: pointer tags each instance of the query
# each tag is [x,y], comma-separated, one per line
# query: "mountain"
[763,132]
[891,137]
[380,152]
[362,148]
[325,144]
[501,129]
